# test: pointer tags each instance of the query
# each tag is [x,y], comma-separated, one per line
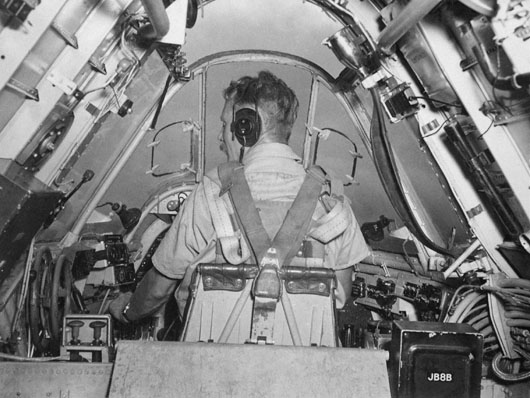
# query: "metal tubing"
[236,312]
[409,16]
[10,284]
[457,133]
[159,20]
[458,262]
[291,320]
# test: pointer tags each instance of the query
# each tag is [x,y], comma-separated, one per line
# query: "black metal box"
[435,360]
[25,202]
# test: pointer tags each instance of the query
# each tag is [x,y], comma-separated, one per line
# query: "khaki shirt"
[274,174]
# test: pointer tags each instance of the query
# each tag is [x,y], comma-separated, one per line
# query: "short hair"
[272,95]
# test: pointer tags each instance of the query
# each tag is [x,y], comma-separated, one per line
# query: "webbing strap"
[232,176]
[295,225]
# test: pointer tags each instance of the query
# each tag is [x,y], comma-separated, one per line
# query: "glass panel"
[368,197]
[135,181]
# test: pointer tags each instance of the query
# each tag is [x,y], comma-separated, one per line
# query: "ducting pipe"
[513,82]
[157,14]
[409,16]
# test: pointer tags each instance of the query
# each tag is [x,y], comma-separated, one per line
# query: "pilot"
[257,120]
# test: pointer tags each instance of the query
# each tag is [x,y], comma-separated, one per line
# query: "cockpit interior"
[418,109]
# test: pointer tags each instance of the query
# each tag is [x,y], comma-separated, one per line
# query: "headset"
[246,126]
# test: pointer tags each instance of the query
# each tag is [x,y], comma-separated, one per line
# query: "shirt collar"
[269,150]
[272,157]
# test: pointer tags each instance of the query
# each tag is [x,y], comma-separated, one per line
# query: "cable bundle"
[472,308]
[515,293]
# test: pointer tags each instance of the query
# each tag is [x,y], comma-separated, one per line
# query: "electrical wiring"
[435,100]
[123,42]
[462,309]
[103,302]
[483,326]
[518,322]
[487,330]
[514,283]
[517,314]
[478,308]
[95,89]
[455,297]
[522,353]
[510,296]
[465,306]
[483,314]
[498,365]
[487,129]
[515,293]
[24,287]
[116,97]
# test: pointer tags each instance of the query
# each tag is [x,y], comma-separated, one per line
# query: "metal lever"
[87,176]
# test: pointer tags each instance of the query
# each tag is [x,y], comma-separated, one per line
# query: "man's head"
[276,106]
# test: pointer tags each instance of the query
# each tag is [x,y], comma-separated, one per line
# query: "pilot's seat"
[222,304]
[288,298]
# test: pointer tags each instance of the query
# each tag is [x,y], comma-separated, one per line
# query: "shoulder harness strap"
[231,244]
[233,181]
[296,223]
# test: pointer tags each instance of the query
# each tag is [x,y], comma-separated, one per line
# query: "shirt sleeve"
[349,248]
[188,237]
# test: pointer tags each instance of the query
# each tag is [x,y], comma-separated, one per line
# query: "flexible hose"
[516,294]
[503,375]
[520,323]
[25,284]
[488,331]
[491,339]
[517,314]
[482,313]
[158,17]
[469,307]
[455,296]
[409,16]
[513,82]
[462,306]
[481,324]
[522,292]
[514,282]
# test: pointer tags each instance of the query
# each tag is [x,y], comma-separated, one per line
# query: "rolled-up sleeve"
[190,234]
[348,248]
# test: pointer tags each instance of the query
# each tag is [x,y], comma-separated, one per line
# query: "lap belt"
[295,280]
[270,255]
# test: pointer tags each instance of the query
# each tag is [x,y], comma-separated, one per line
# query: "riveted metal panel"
[54,379]
[164,369]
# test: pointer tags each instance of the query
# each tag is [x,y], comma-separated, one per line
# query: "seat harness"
[270,255]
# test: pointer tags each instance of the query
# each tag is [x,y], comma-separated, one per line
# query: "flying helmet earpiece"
[246,126]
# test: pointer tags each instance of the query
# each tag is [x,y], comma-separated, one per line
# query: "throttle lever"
[87,176]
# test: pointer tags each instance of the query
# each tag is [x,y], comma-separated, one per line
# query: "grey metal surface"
[54,379]
[163,369]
